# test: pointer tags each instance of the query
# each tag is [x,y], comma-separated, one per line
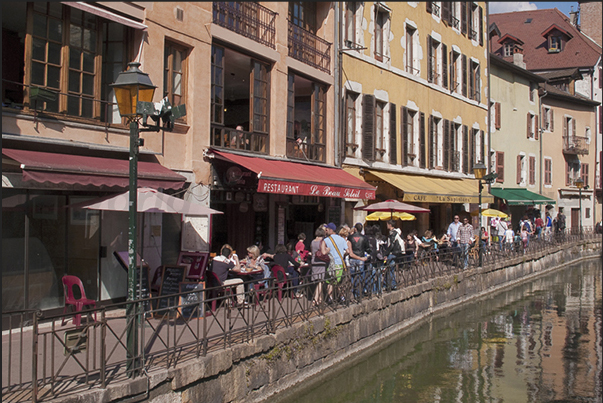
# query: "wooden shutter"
[497,115]
[568,181]
[453,148]
[471,81]
[532,168]
[404,135]
[393,143]
[481,26]
[552,120]
[547,171]
[444,65]
[446,150]
[428,7]
[463,18]
[465,149]
[472,147]
[464,73]
[518,169]
[500,166]
[536,129]
[584,173]
[565,131]
[430,142]
[446,7]
[482,143]
[468,15]
[452,72]
[528,125]
[422,141]
[478,84]
[574,133]
[429,60]
[368,127]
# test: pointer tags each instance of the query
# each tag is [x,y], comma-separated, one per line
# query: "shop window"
[174,69]
[240,98]
[306,119]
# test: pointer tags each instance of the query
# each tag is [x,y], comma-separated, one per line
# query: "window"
[471,21]
[449,146]
[532,170]
[554,44]
[464,75]
[239,100]
[433,67]
[500,166]
[474,82]
[381,31]
[173,73]
[531,129]
[547,119]
[572,169]
[497,115]
[508,49]
[67,51]
[548,171]
[306,119]
[379,128]
[465,139]
[350,104]
[374,128]
[410,51]
[584,173]
[350,23]
[434,142]
[455,72]
[303,14]
[409,125]
[521,170]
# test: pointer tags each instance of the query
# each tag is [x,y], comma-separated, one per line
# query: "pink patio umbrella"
[394,206]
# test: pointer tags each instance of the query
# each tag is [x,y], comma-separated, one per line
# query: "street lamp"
[131,87]
[580,184]
[479,170]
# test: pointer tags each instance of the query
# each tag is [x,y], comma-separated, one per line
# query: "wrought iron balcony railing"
[575,145]
[249,19]
[239,139]
[309,48]
[454,22]
[304,151]
[435,9]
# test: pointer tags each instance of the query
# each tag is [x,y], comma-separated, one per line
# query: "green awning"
[520,196]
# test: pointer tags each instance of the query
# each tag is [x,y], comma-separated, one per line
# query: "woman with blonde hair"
[254,261]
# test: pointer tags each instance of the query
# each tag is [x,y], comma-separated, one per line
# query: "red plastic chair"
[70,301]
[216,289]
[280,277]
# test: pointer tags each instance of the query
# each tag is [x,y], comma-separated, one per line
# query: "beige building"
[414,82]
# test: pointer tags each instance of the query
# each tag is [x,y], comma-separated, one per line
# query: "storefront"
[517,202]
[268,201]
[445,197]
[43,239]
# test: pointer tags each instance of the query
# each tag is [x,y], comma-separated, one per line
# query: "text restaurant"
[267,201]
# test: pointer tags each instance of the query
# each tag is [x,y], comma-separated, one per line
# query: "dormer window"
[508,49]
[554,44]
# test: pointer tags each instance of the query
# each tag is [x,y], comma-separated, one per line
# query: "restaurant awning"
[296,178]
[68,169]
[520,196]
[421,188]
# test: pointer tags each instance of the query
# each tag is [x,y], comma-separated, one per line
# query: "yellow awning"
[420,188]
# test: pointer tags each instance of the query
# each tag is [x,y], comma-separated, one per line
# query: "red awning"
[294,178]
[70,169]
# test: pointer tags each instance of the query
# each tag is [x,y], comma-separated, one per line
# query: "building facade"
[414,89]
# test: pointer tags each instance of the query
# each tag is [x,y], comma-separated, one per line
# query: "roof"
[516,69]
[563,73]
[579,51]
[509,36]
[555,92]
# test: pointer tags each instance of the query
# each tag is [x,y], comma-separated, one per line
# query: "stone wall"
[271,364]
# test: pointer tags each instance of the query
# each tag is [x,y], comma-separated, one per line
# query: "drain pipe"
[541,94]
[337,72]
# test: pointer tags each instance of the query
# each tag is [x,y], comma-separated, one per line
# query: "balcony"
[473,34]
[575,145]
[309,48]
[239,139]
[251,20]
[305,151]
[455,22]
[435,9]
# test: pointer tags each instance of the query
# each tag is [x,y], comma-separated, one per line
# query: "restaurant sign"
[313,189]
[432,198]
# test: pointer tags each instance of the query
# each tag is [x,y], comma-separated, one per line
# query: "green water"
[537,342]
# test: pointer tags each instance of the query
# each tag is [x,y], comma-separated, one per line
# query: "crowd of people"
[370,256]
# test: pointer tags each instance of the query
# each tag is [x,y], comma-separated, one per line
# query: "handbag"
[323,257]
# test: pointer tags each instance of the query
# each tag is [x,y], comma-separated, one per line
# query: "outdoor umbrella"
[149,201]
[393,206]
[382,215]
[490,212]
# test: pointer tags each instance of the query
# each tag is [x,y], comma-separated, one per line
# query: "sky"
[505,7]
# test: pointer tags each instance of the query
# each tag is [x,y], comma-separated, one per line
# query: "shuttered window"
[368,127]
[446,149]
[422,135]
[431,141]
[500,166]
[548,171]
[532,170]
[444,66]
[464,73]
[404,135]
[393,143]
[518,171]
[584,173]
[465,149]
[481,25]
[497,118]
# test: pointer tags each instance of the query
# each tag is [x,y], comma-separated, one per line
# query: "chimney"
[574,17]
[518,56]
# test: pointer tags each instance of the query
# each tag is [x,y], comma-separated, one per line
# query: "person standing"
[318,266]
[336,247]
[560,219]
[501,228]
[453,229]
[394,251]
[539,223]
[548,226]
[464,236]
[360,252]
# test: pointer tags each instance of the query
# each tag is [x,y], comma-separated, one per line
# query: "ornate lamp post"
[479,170]
[580,185]
[131,87]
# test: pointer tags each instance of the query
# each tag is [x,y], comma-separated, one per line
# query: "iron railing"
[575,145]
[249,19]
[455,22]
[305,151]
[435,9]
[43,359]
[239,139]
[309,48]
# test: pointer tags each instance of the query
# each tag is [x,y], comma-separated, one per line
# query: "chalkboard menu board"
[192,304]
[170,285]
[142,276]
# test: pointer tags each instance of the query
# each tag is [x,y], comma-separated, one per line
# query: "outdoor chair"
[76,304]
[280,277]
[215,289]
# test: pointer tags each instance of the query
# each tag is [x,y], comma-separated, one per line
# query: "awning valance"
[421,188]
[295,178]
[80,5]
[71,169]
[520,196]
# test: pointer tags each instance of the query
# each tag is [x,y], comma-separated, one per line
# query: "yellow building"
[415,117]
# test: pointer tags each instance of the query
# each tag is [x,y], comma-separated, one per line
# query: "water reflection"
[538,342]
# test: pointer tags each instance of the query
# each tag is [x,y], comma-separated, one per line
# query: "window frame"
[584,173]
[170,48]
[351,98]
[548,171]
[381,18]
[532,170]
[410,50]
[350,22]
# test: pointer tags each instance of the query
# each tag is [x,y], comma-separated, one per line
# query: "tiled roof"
[556,92]
[577,52]
[563,73]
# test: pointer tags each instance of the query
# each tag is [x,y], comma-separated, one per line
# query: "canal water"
[537,342]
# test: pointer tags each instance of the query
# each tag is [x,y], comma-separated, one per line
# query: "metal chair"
[280,277]
[216,289]
[77,304]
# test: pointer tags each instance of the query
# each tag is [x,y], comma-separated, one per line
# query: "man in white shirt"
[453,229]
[501,228]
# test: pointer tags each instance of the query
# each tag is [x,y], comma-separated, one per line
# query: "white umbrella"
[149,201]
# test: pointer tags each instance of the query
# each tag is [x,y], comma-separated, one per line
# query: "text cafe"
[267,201]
